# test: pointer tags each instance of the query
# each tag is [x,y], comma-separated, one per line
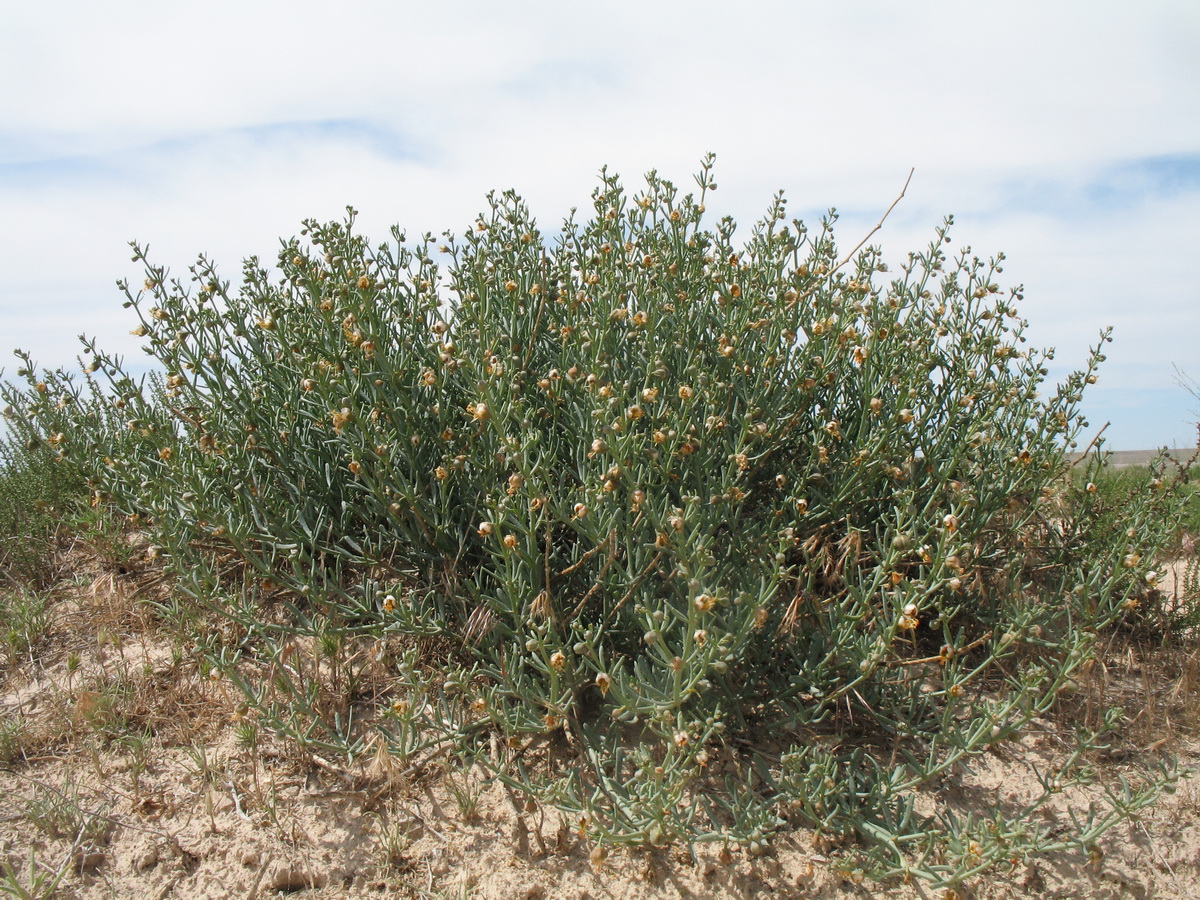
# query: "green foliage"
[674,496]
[1122,498]
[36,493]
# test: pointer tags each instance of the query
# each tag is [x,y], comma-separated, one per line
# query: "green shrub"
[36,494]
[770,540]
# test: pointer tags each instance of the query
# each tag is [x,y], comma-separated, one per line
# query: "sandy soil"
[196,810]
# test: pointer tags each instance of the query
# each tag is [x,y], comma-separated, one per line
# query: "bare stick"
[878,224]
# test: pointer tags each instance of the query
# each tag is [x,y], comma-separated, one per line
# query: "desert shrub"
[764,536]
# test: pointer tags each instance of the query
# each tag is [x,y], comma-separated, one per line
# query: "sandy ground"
[196,810]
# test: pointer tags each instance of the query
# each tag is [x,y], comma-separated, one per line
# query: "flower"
[485,528]
[558,661]
[604,682]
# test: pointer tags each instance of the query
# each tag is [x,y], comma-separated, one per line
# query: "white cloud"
[219,126]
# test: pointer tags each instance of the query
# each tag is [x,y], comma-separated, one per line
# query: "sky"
[1065,134]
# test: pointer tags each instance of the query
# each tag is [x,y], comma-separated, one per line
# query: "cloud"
[1058,133]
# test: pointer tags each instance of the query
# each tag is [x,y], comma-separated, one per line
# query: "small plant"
[674,501]
[394,837]
[38,882]
[60,813]
[466,792]
[12,739]
[26,619]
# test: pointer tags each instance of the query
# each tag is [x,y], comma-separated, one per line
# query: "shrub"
[36,494]
[765,539]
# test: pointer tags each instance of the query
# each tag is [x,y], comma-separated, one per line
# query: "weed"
[39,881]
[12,739]
[60,813]
[26,618]
[394,838]
[466,792]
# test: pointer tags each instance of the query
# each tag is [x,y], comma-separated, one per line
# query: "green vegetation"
[36,493]
[763,534]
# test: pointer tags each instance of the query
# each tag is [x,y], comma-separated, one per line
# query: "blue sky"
[1065,134]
